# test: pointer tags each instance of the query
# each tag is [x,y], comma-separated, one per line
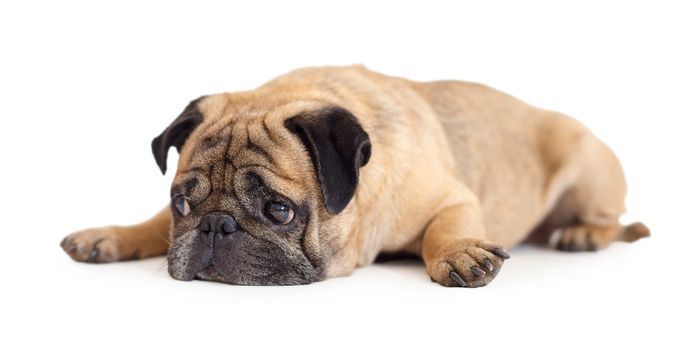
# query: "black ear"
[338,147]
[177,133]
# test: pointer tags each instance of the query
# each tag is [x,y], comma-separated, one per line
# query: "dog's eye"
[181,204]
[279,213]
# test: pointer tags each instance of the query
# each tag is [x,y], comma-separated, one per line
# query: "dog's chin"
[239,261]
[264,278]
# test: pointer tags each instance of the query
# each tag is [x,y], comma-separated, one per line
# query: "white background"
[86,86]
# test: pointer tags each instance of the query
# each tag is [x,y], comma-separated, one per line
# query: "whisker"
[261,257]
[163,265]
[261,275]
[166,240]
[261,266]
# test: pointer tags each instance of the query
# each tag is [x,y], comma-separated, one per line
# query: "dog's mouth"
[209,270]
[256,278]
[252,276]
[243,261]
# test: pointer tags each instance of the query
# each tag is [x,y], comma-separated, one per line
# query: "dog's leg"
[597,200]
[455,251]
[117,243]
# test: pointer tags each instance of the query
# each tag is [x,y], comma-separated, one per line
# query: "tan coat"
[457,171]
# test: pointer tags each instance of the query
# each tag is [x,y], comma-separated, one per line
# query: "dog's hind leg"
[118,243]
[596,198]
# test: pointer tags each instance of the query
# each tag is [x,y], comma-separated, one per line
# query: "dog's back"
[529,167]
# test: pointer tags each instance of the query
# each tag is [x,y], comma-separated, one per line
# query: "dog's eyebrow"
[277,174]
[212,141]
[199,169]
[185,187]
[262,180]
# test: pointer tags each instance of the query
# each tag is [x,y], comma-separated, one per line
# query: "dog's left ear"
[177,133]
[338,146]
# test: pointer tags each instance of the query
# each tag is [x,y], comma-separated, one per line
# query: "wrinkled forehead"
[236,139]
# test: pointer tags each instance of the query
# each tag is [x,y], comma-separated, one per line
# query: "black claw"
[574,247]
[488,265]
[565,246]
[478,271]
[93,254]
[64,242]
[591,245]
[478,283]
[501,253]
[456,278]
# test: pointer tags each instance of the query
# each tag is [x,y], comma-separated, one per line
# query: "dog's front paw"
[97,245]
[467,263]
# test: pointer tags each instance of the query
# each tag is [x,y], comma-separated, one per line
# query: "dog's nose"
[218,222]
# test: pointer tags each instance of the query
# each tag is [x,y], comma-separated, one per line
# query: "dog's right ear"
[177,133]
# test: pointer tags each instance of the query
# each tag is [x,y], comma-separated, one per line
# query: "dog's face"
[257,188]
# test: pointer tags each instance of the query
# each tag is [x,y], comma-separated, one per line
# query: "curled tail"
[633,232]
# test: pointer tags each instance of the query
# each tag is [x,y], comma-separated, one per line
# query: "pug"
[320,170]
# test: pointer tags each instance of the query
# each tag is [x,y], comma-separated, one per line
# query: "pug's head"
[258,186]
